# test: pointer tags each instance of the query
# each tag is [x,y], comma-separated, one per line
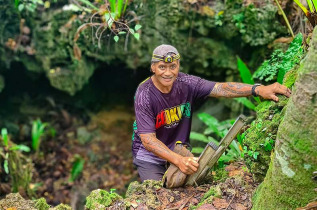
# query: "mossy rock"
[41,204]
[62,207]
[144,193]
[15,200]
[100,199]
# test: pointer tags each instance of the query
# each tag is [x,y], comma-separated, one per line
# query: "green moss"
[99,199]
[135,187]
[269,116]
[290,78]
[62,207]
[41,204]
[289,182]
[220,175]
[144,193]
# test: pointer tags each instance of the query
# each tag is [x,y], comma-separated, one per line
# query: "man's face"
[165,73]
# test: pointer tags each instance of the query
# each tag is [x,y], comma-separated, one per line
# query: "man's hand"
[188,165]
[270,91]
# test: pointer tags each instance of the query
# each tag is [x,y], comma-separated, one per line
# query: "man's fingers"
[274,98]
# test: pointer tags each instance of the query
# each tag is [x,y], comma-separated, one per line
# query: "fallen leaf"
[220,203]
[207,207]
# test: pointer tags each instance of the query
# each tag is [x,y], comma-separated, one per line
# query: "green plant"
[246,77]
[16,164]
[111,15]
[37,132]
[218,130]
[268,145]
[238,19]
[312,15]
[78,166]
[251,153]
[7,148]
[280,63]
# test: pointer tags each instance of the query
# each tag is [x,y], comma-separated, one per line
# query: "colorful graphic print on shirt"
[170,117]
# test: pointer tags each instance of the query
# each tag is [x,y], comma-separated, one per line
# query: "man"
[163,109]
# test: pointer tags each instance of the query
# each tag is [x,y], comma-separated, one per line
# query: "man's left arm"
[234,89]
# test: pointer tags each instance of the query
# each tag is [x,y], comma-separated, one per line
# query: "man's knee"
[149,170]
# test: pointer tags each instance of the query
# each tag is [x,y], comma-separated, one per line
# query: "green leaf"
[77,168]
[21,7]
[255,155]
[119,7]
[199,137]
[16,3]
[131,30]
[310,5]
[109,18]
[137,27]
[315,4]
[112,6]
[210,121]
[5,138]
[245,73]
[21,147]
[5,166]
[137,36]
[246,102]
[122,32]
[301,6]
[116,38]
[197,150]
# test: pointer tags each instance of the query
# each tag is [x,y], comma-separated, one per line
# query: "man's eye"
[162,67]
[173,67]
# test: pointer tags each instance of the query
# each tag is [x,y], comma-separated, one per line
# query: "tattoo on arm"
[154,145]
[231,89]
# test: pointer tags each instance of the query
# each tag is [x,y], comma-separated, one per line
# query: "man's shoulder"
[187,78]
[145,85]
[142,94]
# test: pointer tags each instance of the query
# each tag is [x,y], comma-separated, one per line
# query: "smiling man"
[163,109]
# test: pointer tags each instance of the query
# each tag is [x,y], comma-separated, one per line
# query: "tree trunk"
[289,181]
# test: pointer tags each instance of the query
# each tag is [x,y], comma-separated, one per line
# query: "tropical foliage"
[214,133]
[280,63]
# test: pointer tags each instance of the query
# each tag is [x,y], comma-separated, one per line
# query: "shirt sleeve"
[143,113]
[202,88]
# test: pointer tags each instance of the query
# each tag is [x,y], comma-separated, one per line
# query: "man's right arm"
[187,165]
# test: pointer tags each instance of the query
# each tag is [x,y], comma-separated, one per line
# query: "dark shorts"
[149,170]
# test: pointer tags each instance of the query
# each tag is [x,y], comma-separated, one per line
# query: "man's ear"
[152,67]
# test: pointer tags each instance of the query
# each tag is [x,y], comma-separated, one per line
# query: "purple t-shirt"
[166,114]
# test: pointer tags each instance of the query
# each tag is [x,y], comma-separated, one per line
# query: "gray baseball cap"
[162,50]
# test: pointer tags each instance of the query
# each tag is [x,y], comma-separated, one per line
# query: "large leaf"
[246,102]
[198,137]
[113,6]
[77,168]
[245,73]
[119,7]
[211,122]
[197,150]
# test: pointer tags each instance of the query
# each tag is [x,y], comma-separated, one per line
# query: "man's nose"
[168,71]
